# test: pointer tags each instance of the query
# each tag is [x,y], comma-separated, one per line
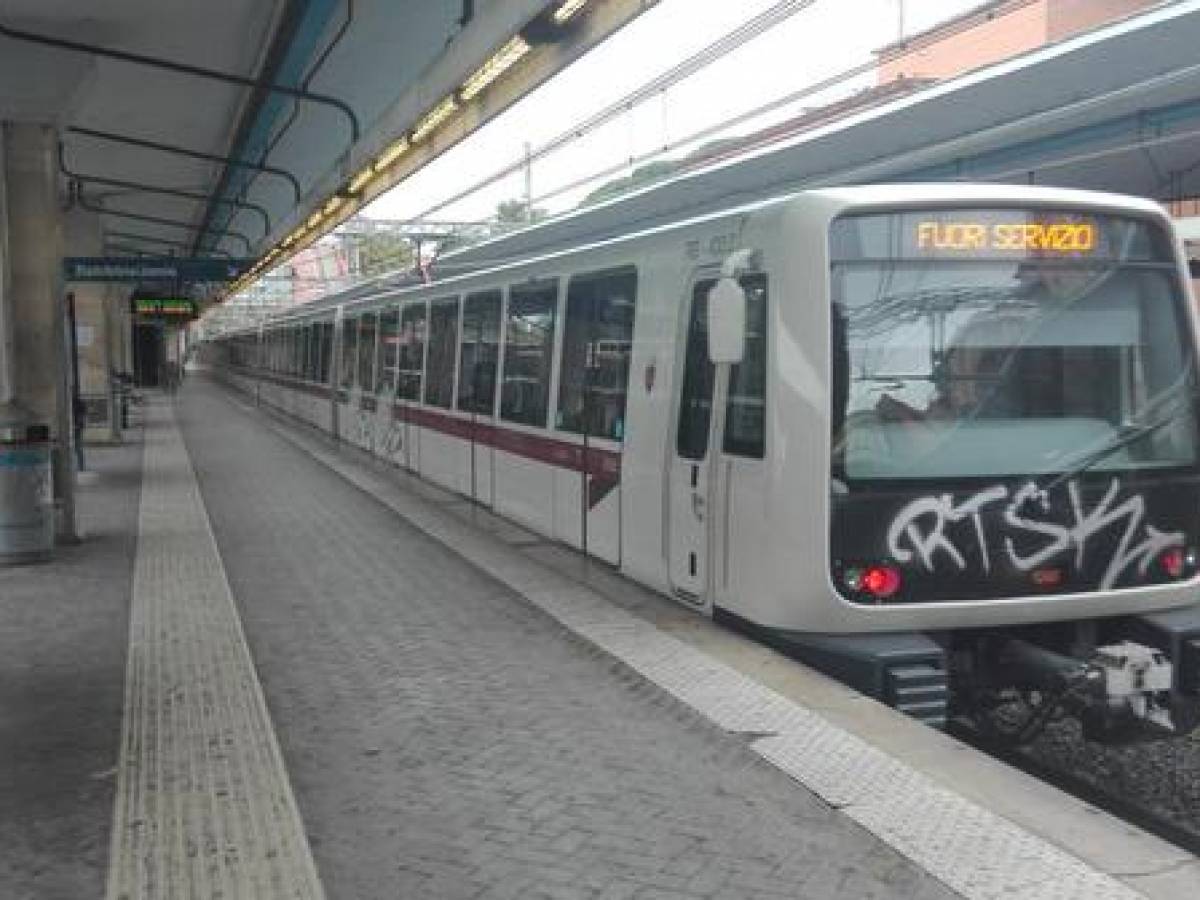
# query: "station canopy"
[245,129]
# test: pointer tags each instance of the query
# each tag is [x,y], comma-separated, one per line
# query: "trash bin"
[26,493]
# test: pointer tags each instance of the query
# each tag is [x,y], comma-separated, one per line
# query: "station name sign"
[179,269]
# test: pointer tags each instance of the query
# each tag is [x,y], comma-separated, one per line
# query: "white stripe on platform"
[204,807]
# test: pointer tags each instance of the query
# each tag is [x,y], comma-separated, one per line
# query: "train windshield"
[1007,342]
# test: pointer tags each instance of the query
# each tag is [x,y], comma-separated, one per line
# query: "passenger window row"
[447,352]
[299,351]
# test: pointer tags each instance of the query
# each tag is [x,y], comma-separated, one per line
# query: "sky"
[826,38]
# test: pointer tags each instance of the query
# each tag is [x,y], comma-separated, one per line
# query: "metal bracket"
[166,191]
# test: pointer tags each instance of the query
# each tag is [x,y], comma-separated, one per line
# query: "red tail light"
[880,581]
[1173,562]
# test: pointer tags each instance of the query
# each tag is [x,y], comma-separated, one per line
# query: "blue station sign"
[146,268]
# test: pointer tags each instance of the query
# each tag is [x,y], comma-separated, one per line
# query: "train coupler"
[1136,701]
[1120,692]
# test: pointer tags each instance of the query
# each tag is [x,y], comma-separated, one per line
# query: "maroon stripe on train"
[603,466]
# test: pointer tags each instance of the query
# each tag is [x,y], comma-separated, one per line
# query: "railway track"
[1154,786]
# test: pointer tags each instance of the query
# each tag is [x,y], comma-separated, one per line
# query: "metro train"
[940,441]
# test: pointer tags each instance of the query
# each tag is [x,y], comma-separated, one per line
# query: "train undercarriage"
[1124,679]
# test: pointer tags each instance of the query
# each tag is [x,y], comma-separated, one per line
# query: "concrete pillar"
[93,322]
[37,326]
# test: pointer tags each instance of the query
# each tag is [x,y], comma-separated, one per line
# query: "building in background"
[994,32]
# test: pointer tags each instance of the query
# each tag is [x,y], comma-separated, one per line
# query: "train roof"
[969,193]
[880,195]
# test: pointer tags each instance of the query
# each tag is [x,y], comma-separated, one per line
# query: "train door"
[691,462]
[717,480]
[478,361]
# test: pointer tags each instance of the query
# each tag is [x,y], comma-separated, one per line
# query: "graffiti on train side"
[935,526]
[378,435]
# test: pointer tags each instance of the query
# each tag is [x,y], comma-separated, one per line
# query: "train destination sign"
[1046,238]
[1069,235]
[145,268]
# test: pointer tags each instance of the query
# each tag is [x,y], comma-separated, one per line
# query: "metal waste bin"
[26,493]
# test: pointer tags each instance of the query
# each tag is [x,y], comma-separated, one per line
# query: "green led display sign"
[177,308]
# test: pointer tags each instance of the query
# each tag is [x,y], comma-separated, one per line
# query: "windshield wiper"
[1129,434]
[1176,398]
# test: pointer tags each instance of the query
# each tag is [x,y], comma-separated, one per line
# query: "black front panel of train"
[973,539]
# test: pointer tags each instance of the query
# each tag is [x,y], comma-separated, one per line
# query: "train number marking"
[924,524]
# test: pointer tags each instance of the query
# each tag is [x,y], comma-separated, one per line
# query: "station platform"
[274,668]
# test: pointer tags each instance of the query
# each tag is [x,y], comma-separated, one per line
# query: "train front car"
[1015,454]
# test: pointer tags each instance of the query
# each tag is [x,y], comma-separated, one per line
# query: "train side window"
[480,353]
[443,342]
[746,408]
[366,351]
[330,337]
[597,343]
[389,350]
[349,352]
[313,373]
[695,407]
[411,356]
[321,373]
[529,353]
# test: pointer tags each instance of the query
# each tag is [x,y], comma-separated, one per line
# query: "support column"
[36,328]
[93,322]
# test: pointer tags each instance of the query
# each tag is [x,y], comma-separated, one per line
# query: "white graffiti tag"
[925,524]
[944,513]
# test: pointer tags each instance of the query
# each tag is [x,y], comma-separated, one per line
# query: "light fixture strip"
[501,61]
[361,180]
[397,149]
[433,119]
[568,10]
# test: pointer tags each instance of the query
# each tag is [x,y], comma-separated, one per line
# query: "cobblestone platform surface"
[446,738]
[63,627]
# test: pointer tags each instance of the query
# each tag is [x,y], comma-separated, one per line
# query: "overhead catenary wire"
[710,54]
[713,52]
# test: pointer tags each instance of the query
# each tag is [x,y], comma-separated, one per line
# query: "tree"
[510,213]
[640,176]
[383,251]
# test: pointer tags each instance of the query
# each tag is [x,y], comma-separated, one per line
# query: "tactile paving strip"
[204,808]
